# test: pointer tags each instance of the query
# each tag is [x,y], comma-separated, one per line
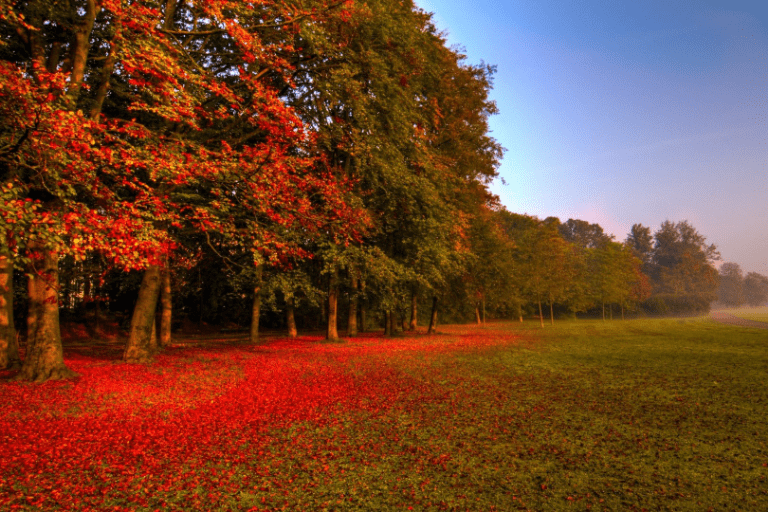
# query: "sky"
[622,112]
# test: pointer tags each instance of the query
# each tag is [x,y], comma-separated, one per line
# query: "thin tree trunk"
[388,323]
[44,358]
[166,308]
[433,317]
[290,318]
[551,313]
[414,311]
[478,321]
[9,349]
[139,348]
[352,318]
[256,308]
[332,332]
[541,315]
[362,308]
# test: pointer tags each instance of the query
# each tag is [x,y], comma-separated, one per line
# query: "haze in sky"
[621,112]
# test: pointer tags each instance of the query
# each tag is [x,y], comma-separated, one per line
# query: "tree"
[640,241]
[682,269]
[583,234]
[756,289]
[731,289]
[178,132]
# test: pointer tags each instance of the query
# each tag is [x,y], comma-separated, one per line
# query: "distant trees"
[731,290]
[736,289]
[756,289]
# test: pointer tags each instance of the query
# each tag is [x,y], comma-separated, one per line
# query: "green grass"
[636,415]
[760,313]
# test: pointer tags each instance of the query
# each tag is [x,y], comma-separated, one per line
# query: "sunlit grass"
[652,414]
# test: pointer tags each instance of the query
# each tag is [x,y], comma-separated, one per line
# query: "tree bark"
[291,318]
[332,332]
[139,348]
[414,311]
[256,308]
[9,349]
[166,308]
[388,323]
[433,317]
[44,358]
[477,314]
[80,47]
[352,321]
[361,307]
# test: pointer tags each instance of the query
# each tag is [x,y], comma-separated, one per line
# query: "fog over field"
[620,113]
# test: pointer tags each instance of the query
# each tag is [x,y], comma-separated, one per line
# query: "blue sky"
[619,112]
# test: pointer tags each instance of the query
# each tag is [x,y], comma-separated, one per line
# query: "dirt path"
[725,318]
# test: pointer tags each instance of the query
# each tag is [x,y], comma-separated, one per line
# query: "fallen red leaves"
[198,428]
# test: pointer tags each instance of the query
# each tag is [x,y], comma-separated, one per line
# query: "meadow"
[586,415]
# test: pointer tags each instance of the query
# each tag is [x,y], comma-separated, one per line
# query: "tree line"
[737,289]
[296,164]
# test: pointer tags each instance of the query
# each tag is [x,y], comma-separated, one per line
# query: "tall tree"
[731,285]
[756,289]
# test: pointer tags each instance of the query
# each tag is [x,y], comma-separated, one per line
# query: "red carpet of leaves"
[198,426]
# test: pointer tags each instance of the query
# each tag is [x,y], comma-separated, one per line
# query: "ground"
[642,414]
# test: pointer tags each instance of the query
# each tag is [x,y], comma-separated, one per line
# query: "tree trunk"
[352,319]
[361,307]
[414,312]
[256,308]
[541,315]
[44,358]
[290,318]
[388,323]
[433,317]
[139,348]
[332,332]
[9,349]
[477,314]
[166,308]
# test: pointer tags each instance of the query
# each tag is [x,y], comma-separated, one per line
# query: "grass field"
[635,415]
[760,314]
